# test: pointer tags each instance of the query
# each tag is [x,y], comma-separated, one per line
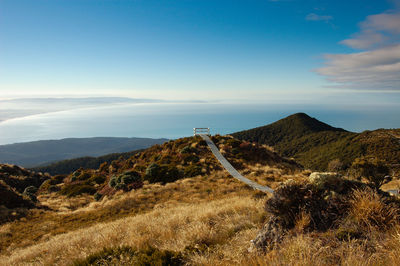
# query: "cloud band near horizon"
[377,66]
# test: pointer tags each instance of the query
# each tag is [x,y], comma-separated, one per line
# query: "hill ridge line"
[231,169]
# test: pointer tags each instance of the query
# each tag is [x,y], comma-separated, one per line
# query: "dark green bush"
[30,193]
[53,188]
[84,176]
[30,190]
[235,150]
[97,196]
[188,149]
[153,170]
[130,177]
[191,158]
[98,179]
[113,181]
[126,180]
[162,173]
[192,170]
[202,143]
[234,143]
[119,186]
[58,178]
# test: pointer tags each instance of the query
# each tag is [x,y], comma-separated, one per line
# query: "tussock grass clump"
[326,202]
[369,210]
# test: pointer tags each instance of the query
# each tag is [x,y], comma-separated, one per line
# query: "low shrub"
[324,201]
[202,143]
[234,143]
[188,149]
[192,170]
[84,176]
[126,181]
[30,193]
[97,196]
[191,159]
[98,179]
[30,190]
[162,173]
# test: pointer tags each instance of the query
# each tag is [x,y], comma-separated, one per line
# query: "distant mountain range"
[314,143]
[36,153]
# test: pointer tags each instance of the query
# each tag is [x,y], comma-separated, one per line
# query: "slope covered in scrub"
[171,161]
[17,191]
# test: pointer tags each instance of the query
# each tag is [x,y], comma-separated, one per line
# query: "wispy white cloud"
[378,65]
[376,30]
[315,17]
[375,69]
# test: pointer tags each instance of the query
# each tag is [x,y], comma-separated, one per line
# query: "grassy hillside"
[30,154]
[186,172]
[314,144]
[171,161]
[211,220]
[172,204]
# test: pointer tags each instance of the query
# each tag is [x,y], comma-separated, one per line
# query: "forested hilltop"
[316,144]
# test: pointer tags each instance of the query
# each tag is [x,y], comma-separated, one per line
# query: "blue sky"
[302,51]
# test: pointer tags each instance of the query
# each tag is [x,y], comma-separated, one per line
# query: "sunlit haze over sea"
[174,120]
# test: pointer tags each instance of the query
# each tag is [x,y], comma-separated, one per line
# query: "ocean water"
[172,120]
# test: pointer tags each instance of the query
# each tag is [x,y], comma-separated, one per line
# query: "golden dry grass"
[81,212]
[325,249]
[221,229]
[369,211]
[211,220]
[219,224]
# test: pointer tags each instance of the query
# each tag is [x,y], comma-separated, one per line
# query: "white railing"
[201,131]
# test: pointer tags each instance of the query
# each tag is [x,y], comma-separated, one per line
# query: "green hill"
[314,143]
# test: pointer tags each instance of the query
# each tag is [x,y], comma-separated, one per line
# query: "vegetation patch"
[126,255]
[315,144]
[75,189]
[324,202]
[126,181]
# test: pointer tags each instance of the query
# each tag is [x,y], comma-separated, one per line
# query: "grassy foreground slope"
[180,171]
[314,144]
[211,221]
